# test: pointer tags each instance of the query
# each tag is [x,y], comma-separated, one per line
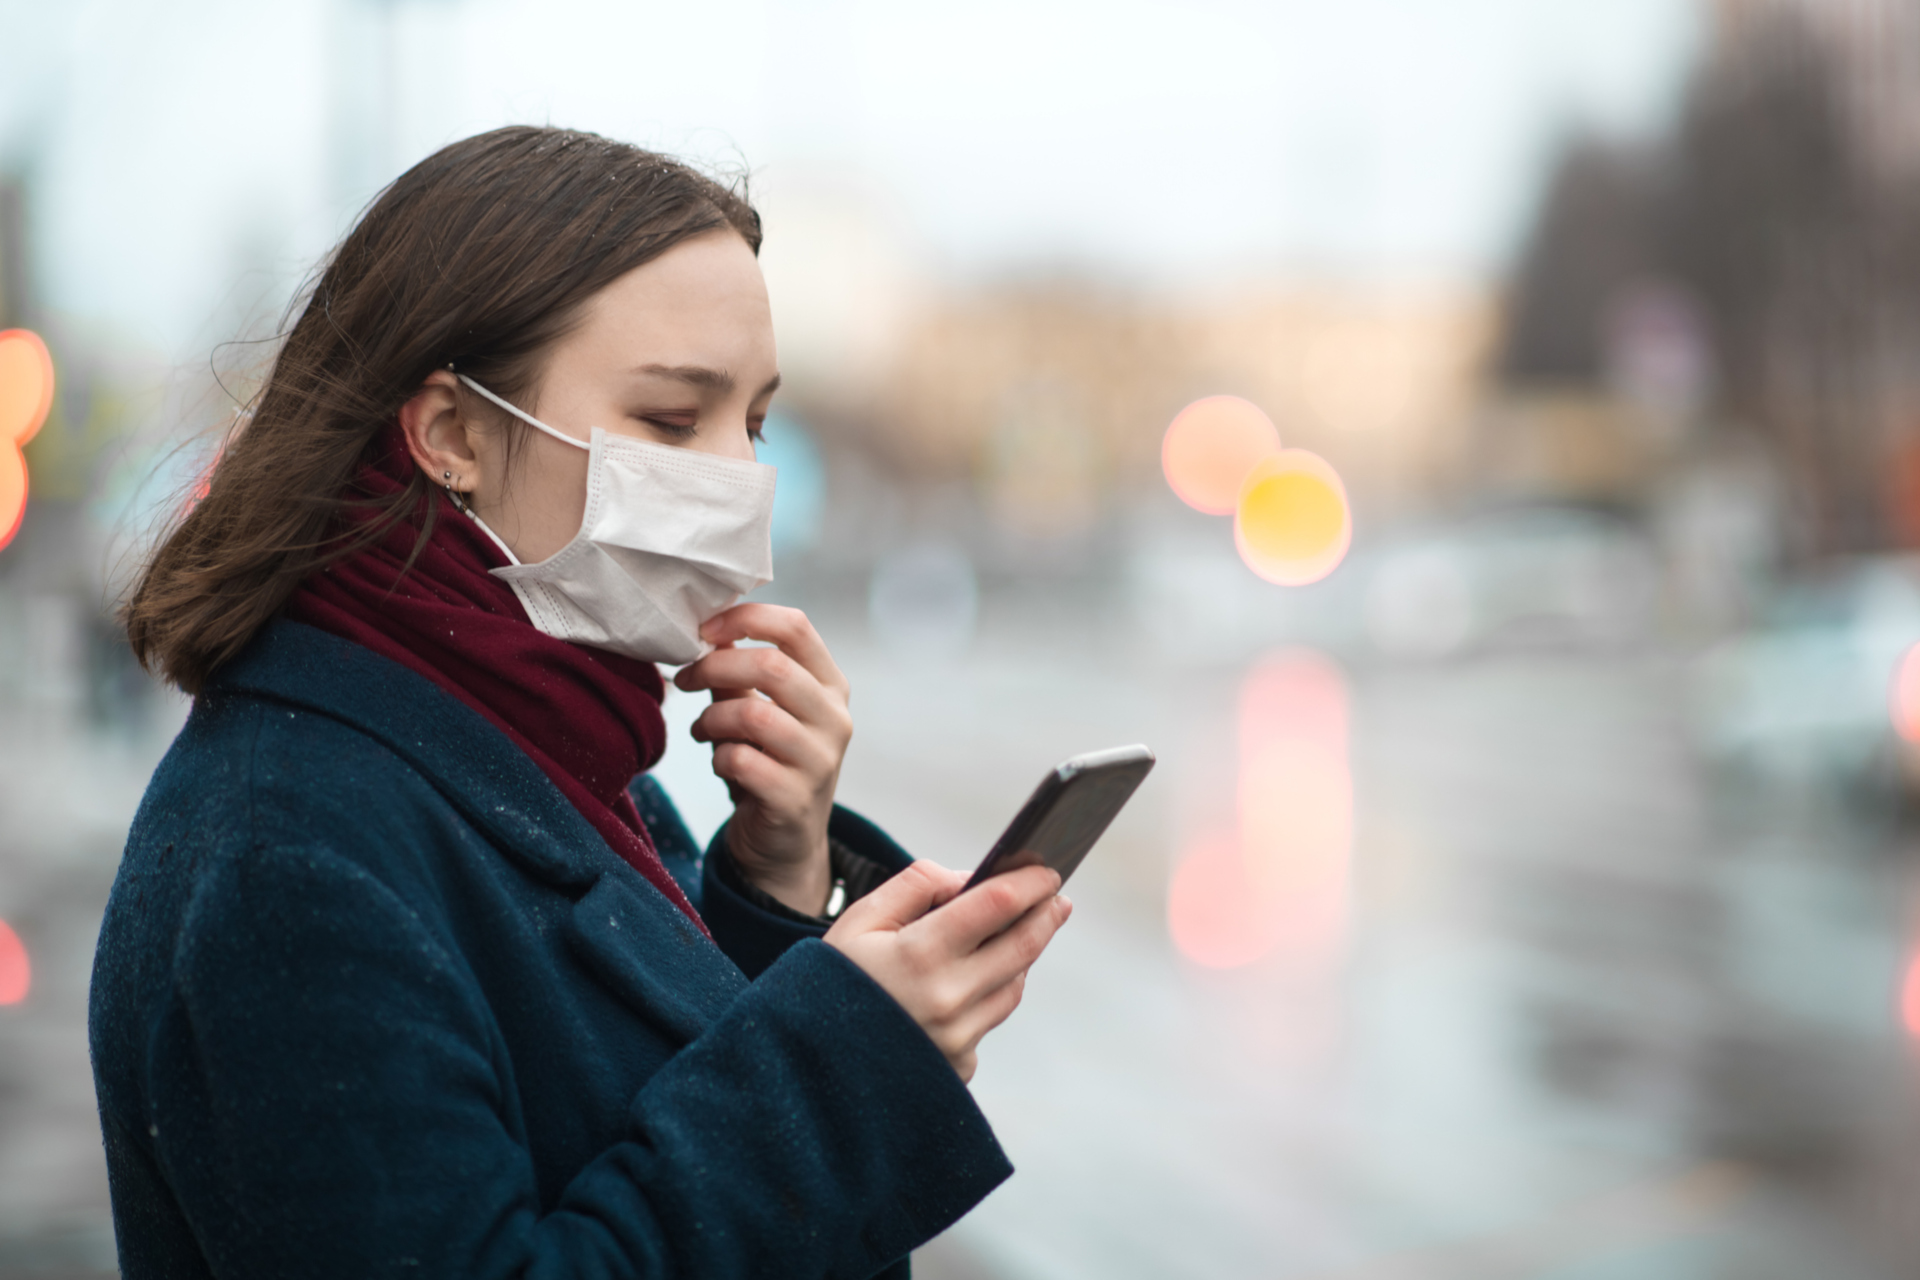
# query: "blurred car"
[1533,577]
[1537,576]
[1806,697]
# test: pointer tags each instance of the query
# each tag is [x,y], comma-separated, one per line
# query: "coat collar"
[682,987]
[480,771]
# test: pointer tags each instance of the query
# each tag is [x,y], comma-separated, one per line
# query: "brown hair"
[480,256]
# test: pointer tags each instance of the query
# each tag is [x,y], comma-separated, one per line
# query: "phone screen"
[1069,811]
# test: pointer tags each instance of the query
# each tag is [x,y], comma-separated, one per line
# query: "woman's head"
[514,258]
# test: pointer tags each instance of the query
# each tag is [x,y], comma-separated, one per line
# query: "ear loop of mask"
[465,508]
[524,416]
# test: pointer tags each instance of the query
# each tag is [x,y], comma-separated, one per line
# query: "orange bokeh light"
[16,974]
[1905,697]
[26,395]
[1293,524]
[1211,446]
[1279,882]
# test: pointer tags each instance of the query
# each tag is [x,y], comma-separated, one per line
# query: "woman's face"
[677,352]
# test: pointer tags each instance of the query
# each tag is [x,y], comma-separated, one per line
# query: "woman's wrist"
[801,886]
[852,876]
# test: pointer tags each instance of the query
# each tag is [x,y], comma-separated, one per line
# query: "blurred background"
[1533,896]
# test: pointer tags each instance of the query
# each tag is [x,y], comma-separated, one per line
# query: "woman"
[404,971]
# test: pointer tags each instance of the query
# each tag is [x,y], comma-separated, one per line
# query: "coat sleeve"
[330,1097]
[753,937]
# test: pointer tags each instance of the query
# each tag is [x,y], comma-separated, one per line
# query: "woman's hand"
[780,753]
[957,963]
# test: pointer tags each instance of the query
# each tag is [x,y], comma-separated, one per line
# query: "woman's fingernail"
[1066,905]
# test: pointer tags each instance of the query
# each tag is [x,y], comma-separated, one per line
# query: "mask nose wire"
[524,416]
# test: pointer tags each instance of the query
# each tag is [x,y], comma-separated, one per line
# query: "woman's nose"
[736,441]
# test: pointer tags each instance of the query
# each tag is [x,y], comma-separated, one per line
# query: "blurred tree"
[1595,234]
[1778,225]
[1802,247]
[14,306]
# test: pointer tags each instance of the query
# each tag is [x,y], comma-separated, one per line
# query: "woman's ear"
[438,434]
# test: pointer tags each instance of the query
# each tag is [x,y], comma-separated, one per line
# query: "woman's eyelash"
[680,430]
[672,428]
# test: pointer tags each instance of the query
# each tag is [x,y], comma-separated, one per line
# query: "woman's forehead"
[701,306]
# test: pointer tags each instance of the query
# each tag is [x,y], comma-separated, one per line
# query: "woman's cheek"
[545,498]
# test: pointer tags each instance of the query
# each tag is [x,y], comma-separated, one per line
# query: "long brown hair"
[480,256]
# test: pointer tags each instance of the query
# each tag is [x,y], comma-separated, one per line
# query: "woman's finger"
[771,672]
[976,915]
[751,773]
[900,900]
[778,625]
[772,729]
[1014,951]
[719,694]
[992,1009]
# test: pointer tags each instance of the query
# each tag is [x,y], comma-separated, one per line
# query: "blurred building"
[1048,397]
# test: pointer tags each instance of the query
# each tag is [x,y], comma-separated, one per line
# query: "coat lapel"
[640,946]
[646,951]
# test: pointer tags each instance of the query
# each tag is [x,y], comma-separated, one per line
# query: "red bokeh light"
[1910,998]
[1278,882]
[16,974]
[1905,697]
[1215,914]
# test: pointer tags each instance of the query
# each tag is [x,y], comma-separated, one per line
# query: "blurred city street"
[1578,1024]
[1576,1017]
[1474,443]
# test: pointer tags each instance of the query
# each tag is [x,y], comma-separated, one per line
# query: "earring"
[460,502]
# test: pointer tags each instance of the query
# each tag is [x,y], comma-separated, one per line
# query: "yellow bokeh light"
[1292,524]
[1210,447]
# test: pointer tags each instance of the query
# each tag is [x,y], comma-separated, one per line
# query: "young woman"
[409,968]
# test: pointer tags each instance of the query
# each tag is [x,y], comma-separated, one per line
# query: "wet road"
[1577,1019]
[1555,1012]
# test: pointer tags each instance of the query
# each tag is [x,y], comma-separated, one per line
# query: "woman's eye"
[677,427]
[756,428]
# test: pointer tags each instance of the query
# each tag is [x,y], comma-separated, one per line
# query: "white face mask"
[670,538]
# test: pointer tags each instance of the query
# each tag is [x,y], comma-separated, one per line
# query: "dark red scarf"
[590,719]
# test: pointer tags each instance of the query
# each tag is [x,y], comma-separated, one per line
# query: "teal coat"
[372,999]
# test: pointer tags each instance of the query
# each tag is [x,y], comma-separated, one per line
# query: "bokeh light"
[1279,882]
[799,499]
[16,974]
[1211,446]
[1217,917]
[26,394]
[1296,794]
[1905,697]
[1910,998]
[1293,524]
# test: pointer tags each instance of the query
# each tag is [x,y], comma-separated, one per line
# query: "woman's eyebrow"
[701,376]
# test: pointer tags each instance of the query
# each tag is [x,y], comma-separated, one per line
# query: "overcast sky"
[188,159]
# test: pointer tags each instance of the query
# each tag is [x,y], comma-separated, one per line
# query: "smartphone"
[1068,812]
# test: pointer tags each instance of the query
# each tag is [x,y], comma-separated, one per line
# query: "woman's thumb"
[905,897]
